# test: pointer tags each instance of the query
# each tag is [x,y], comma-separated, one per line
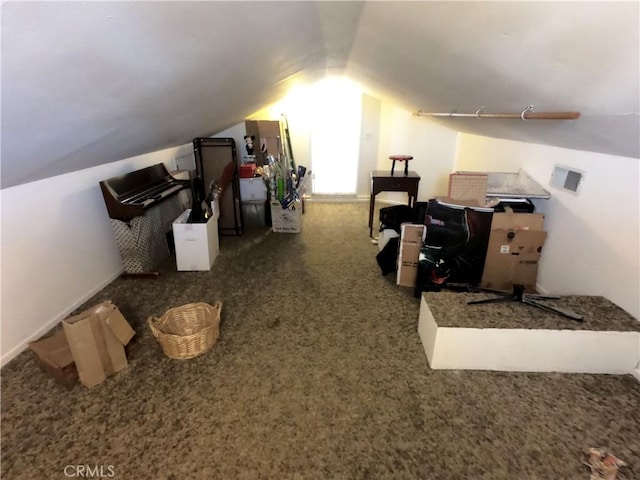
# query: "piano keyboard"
[161,195]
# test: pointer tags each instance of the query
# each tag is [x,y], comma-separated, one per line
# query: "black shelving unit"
[216,159]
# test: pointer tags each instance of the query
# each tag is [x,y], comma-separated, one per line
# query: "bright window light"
[335,135]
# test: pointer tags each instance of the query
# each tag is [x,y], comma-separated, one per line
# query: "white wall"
[432,146]
[369,143]
[58,248]
[593,243]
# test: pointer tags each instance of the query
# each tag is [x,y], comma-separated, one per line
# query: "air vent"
[566,178]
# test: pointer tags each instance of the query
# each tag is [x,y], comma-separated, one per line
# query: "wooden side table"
[383,181]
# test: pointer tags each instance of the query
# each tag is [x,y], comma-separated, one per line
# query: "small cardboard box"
[54,356]
[286,220]
[411,238]
[196,244]
[514,250]
[247,171]
[252,189]
[96,339]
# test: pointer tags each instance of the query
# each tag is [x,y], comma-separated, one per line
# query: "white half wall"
[526,350]
[58,247]
[593,243]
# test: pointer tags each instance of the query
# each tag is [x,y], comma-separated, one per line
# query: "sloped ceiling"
[87,83]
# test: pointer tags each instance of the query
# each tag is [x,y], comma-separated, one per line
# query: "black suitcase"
[393,217]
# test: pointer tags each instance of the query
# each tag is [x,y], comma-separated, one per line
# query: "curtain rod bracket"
[528,109]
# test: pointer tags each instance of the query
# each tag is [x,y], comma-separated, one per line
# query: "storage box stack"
[284,182]
[253,199]
[513,254]
[267,135]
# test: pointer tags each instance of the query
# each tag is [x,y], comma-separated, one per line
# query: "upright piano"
[142,206]
[129,195]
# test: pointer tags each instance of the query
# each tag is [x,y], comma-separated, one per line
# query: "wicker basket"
[188,330]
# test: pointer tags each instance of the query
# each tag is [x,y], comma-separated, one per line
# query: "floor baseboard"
[319,198]
[15,351]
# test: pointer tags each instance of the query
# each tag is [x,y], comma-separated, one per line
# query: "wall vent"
[565,178]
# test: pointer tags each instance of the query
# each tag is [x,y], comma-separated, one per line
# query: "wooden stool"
[401,158]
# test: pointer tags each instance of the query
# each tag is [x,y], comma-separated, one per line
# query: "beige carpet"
[319,373]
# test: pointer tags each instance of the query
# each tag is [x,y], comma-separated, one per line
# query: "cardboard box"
[263,128]
[517,221]
[252,189]
[96,339]
[196,244]
[514,250]
[268,138]
[468,186]
[54,356]
[286,220]
[411,238]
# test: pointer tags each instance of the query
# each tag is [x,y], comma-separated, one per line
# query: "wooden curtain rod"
[526,114]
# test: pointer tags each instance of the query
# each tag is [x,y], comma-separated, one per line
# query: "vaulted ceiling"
[87,83]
